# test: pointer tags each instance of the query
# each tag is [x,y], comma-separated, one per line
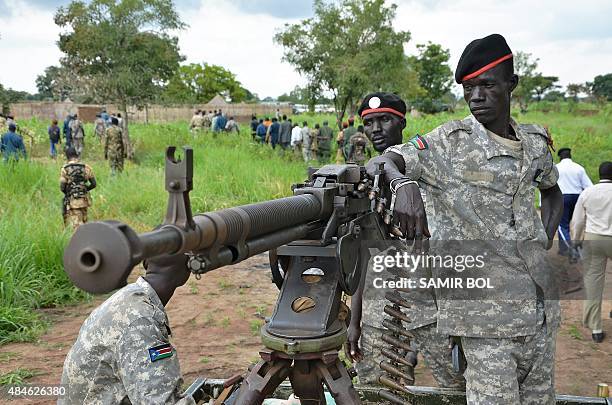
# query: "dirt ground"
[215,323]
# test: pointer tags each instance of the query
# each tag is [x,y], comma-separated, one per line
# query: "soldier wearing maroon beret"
[479,177]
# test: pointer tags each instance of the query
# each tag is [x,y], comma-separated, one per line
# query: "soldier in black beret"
[479,175]
[383,116]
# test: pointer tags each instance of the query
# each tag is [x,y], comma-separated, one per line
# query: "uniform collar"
[150,293]
[492,148]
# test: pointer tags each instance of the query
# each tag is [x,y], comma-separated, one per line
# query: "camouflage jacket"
[479,190]
[112,360]
[325,136]
[359,150]
[113,146]
[74,178]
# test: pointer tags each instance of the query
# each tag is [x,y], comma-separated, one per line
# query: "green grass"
[17,376]
[229,170]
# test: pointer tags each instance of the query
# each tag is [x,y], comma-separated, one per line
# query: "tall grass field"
[229,170]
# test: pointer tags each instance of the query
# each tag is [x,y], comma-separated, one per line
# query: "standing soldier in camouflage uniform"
[78,134]
[314,142]
[76,180]
[360,150]
[123,353]
[383,115]
[197,123]
[324,142]
[113,147]
[479,177]
[3,124]
[100,127]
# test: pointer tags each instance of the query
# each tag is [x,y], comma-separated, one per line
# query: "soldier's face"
[488,94]
[383,129]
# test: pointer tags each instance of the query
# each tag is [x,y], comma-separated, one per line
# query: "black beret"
[382,102]
[562,150]
[481,55]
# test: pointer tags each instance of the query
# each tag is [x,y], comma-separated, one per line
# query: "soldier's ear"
[514,80]
[403,123]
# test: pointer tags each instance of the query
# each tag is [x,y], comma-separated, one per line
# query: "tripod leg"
[306,383]
[338,382]
[262,380]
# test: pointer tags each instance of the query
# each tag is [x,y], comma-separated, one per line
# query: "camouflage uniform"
[3,125]
[100,128]
[114,149]
[432,345]
[324,142]
[197,123]
[74,177]
[110,363]
[480,187]
[78,135]
[359,149]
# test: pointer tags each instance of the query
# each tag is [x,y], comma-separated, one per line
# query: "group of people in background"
[215,121]
[587,216]
[313,143]
[11,141]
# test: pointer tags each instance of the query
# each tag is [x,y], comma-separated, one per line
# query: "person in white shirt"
[572,181]
[296,140]
[593,217]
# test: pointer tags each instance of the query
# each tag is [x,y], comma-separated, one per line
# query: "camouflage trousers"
[78,144]
[75,217]
[511,371]
[116,164]
[433,346]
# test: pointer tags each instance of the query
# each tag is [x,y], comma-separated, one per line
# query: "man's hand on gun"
[351,349]
[408,210]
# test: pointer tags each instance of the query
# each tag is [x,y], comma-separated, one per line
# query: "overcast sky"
[573,40]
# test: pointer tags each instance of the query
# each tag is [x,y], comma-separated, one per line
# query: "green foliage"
[229,170]
[120,51]
[55,84]
[199,83]
[10,96]
[17,376]
[532,84]
[435,76]
[348,48]
[602,86]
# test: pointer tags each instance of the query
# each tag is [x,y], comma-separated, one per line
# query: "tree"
[554,96]
[542,84]
[55,84]
[434,75]
[199,83]
[532,84]
[348,48]
[121,48]
[602,87]
[574,89]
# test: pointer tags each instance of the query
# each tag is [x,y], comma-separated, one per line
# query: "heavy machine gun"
[315,237]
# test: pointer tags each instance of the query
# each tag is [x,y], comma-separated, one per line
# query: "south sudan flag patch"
[419,142]
[161,352]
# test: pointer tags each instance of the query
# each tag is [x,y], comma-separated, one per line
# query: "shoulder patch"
[539,130]
[161,352]
[454,126]
[419,142]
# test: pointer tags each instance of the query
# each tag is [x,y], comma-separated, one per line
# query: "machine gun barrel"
[101,255]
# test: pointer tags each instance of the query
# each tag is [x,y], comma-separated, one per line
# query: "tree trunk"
[127,145]
[146,108]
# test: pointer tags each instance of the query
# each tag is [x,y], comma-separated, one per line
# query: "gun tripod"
[307,372]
